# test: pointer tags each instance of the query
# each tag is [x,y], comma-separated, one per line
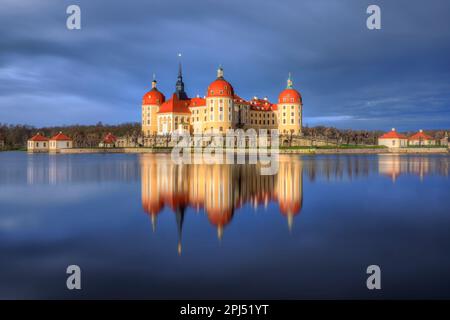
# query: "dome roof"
[220,87]
[289,95]
[154,97]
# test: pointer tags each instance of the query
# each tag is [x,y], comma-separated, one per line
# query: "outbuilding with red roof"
[421,139]
[38,143]
[393,139]
[60,141]
[109,141]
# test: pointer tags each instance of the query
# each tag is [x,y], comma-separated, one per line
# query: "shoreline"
[310,151]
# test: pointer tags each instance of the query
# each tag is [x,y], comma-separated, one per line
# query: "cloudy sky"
[349,76]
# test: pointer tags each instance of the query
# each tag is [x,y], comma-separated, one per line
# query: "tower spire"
[154,81]
[289,82]
[179,87]
[220,72]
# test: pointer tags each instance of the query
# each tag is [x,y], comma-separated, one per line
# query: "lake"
[140,226]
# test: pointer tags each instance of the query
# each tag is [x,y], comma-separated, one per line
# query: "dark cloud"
[349,76]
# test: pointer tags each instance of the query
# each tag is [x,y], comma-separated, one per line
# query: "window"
[292,121]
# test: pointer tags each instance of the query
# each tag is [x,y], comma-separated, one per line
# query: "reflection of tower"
[219,199]
[150,191]
[179,215]
[289,187]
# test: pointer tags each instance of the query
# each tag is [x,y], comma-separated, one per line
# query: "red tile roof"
[153,97]
[220,88]
[290,95]
[110,138]
[393,134]
[420,136]
[61,137]
[197,102]
[38,137]
[175,105]
[256,104]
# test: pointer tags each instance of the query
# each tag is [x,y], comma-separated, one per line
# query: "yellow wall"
[37,146]
[290,118]
[149,119]
[393,143]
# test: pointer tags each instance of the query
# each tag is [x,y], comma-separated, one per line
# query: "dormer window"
[221,92]
[212,91]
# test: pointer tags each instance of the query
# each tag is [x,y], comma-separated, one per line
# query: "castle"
[221,109]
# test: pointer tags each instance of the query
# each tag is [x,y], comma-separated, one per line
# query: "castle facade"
[219,110]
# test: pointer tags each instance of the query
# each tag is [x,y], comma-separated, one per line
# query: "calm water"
[142,227]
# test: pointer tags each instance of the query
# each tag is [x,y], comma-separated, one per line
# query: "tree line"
[16,136]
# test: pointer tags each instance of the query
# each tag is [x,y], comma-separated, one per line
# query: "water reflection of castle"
[218,189]
[394,166]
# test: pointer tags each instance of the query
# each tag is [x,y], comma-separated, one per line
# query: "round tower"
[150,107]
[290,110]
[219,104]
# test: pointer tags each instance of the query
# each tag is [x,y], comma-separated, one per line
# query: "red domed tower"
[219,104]
[150,107]
[290,110]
